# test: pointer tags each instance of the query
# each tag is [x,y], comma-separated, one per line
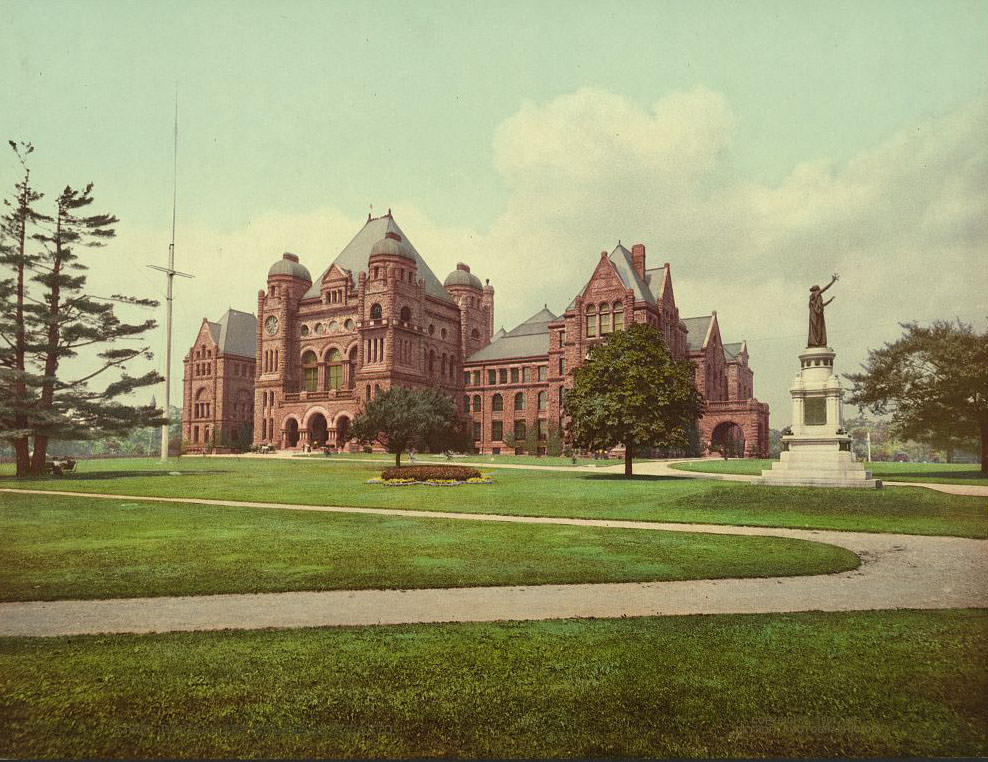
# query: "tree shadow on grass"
[633,478]
[100,475]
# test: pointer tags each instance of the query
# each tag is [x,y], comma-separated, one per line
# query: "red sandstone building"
[378,317]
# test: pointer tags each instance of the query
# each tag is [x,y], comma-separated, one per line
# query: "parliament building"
[378,317]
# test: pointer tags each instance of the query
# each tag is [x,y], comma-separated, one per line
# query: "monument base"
[817,462]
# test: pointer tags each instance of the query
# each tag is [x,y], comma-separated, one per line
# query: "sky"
[757,147]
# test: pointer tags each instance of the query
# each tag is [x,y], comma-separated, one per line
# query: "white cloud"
[905,223]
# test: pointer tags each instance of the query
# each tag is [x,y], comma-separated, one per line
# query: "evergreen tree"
[69,320]
[52,319]
[17,383]
[630,391]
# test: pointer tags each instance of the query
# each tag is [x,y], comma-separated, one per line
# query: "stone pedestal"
[817,452]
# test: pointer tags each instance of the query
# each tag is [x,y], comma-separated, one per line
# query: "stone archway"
[291,432]
[318,430]
[342,431]
[728,437]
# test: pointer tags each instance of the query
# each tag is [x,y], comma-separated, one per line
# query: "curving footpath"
[897,571]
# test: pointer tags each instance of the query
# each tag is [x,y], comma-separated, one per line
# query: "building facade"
[218,383]
[378,317]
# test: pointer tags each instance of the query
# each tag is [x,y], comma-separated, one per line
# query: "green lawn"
[521,460]
[74,547]
[935,473]
[821,685]
[324,481]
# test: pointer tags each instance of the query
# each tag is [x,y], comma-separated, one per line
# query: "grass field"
[538,493]
[935,473]
[523,460]
[822,685]
[66,547]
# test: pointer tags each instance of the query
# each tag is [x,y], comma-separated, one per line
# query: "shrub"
[431,473]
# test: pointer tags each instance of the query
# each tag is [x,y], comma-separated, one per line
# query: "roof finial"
[370,211]
[389,211]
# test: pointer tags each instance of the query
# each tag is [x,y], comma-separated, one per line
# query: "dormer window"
[375,312]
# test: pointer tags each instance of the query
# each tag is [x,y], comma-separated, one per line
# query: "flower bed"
[435,475]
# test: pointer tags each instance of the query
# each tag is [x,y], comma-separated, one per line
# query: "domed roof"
[289,265]
[462,276]
[391,245]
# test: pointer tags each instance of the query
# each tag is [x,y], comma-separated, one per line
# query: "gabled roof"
[699,329]
[658,281]
[356,254]
[528,339]
[732,350]
[235,333]
[624,264]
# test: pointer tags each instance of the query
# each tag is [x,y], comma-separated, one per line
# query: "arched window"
[334,370]
[497,403]
[375,313]
[618,316]
[352,368]
[591,320]
[476,403]
[520,401]
[474,334]
[406,314]
[432,361]
[605,319]
[466,403]
[443,374]
[543,400]
[310,372]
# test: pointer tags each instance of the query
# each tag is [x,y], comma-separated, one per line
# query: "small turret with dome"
[290,266]
[468,292]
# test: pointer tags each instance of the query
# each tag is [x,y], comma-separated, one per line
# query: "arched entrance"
[291,432]
[727,438]
[317,430]
[342,431]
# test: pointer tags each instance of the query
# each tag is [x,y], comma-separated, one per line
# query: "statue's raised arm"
[818,327]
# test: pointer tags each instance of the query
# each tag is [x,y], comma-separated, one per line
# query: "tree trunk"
[398,459]
[23,457]
[983,425]
[628,455]
[51,349]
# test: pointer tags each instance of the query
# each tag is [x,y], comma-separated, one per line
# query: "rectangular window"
[562,366]
[543,372]
[491,377]
[310,378]
[476,432]
[335,378]
[520,432]
[476,378]
[497,431]
[504,375]
[526,374]
[514,375]
[466,378]
[562,337]
[543,434]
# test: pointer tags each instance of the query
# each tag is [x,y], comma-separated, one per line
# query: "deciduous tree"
[630,391]
[934,383]
[400,418]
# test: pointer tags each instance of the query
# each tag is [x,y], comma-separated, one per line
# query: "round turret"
[290,266]
[391,245]
[462,276]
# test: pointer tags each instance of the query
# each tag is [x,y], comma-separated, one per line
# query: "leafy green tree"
[933,382]
[554,442]
[630,391]
[400,418]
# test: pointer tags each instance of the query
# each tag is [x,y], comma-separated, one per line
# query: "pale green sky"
[797,122]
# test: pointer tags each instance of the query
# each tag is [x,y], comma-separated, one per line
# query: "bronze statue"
[818,328]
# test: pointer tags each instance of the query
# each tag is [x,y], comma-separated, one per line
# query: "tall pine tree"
[52,321]
[18,385]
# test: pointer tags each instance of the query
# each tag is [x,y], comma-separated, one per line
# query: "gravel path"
[897,571]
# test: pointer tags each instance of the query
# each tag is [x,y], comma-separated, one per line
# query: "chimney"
[638,259]
[290,257]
